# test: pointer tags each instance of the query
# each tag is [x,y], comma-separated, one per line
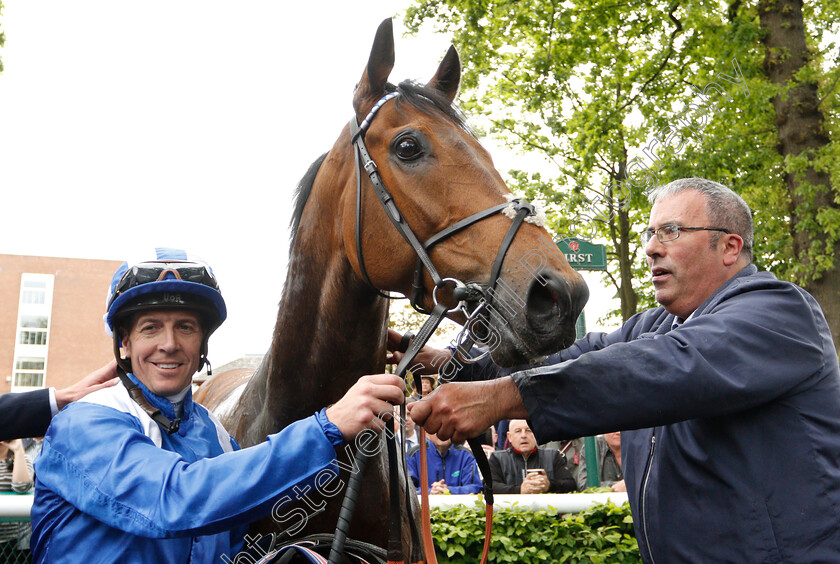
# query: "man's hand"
[367,404]
[438,487]
[96,380]
[461,411]
[428,359]
[619,486]
[534,483]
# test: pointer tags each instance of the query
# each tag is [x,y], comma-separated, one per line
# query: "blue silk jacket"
[457,468]
[110,487]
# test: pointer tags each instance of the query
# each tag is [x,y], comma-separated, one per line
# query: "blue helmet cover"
[169,285]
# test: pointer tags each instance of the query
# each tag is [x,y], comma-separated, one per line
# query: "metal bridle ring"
[458,284]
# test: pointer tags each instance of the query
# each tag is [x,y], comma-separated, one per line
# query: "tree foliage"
[621,96]
[2,36]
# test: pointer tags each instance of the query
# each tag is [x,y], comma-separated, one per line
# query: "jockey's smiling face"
[164,347]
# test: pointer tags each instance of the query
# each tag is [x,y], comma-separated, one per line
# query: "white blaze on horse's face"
[438,175]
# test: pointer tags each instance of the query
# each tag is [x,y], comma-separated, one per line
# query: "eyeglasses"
[670,232]
[145,272]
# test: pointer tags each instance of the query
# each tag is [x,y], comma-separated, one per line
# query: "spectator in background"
[428,383]
[608,455]
[526,468]
[411,431]
[487,440]
[609,460]
[28,414]
[16,476]
[502,442]
[573,451]
[452,469]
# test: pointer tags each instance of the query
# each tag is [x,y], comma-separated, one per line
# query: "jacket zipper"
[644,493]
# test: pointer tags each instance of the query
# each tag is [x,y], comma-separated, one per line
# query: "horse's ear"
[380,63]
[448,76]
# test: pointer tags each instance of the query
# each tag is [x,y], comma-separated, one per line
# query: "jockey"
[138,472]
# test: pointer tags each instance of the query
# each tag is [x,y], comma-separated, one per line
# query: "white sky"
[125,126]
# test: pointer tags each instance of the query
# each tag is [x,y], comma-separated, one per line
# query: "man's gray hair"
[725,208]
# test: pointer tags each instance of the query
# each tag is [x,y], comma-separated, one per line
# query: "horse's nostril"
[547,304]
[552,307]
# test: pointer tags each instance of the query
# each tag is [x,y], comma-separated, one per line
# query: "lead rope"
[478,452]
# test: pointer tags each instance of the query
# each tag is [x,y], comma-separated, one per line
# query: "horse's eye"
[408,149]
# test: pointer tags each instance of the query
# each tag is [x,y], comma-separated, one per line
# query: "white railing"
[15,506]
[562,503]
[18,506]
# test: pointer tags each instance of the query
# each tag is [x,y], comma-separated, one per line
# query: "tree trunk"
[800,125]
[622,236]
[629,299]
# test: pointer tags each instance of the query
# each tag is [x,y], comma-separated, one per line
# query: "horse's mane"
[302,192]
[427,100]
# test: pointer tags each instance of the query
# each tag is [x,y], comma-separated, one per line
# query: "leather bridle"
[470,292]
[472,298]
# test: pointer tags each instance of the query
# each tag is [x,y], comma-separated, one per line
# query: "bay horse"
[332,322]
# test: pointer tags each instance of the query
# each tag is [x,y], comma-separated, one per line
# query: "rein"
[472,298]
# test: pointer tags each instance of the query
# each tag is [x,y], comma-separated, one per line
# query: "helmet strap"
[204,362]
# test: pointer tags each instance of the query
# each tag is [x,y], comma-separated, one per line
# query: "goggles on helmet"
[156,271]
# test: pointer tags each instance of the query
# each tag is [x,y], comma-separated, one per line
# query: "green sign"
[583,255]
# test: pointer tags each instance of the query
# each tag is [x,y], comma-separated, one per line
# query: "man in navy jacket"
[28,414]
[727,396]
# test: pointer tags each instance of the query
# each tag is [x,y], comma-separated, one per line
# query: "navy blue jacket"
[24,415]
[730,423]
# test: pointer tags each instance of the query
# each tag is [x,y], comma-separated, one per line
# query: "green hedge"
[601,534]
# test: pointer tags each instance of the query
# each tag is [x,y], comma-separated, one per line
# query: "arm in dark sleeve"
[704,368]
[24,415]
[562,482]
[486,369]
[500,485]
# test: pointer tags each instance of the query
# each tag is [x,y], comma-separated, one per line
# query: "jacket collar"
[672,322]
[163,404]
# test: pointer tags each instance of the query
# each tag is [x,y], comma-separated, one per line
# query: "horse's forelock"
[429,100]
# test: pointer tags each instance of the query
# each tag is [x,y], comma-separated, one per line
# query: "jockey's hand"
[429,360]
[462,410]
[367,405]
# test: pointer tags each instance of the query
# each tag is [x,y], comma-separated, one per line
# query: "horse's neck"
[330,331]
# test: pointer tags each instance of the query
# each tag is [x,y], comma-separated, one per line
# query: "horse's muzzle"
[552,307]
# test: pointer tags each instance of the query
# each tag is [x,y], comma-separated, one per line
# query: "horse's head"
[438,175]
